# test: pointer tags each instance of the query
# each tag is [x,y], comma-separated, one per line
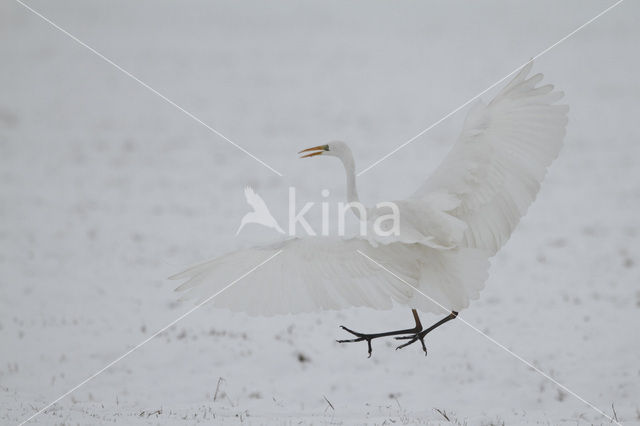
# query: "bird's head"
[332,149]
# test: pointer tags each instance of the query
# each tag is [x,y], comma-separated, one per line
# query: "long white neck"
[350,169]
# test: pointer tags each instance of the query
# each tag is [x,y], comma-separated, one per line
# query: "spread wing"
[323,273]
[496,166]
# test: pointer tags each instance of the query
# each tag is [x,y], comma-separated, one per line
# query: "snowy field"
[106,190]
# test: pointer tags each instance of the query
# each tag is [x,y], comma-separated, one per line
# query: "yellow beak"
[319,150]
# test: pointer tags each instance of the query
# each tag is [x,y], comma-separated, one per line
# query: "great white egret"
[449,228]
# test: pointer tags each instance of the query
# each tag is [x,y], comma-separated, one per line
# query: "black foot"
[411,334]
[360,337]
[419,335]
[412,339]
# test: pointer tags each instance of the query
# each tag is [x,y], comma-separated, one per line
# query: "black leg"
[420,334]
[360,337]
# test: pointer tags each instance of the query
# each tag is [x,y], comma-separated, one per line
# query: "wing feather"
[328,273]
[501,157]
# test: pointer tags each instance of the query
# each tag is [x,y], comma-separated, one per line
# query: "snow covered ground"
[106,189]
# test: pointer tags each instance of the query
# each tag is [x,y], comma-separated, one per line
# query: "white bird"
[260,214]
[449,228]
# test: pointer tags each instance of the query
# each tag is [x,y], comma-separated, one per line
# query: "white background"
[105,190]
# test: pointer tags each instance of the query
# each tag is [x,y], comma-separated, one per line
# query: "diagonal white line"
[145,85]
[145,341]
[500,345]
[489,88]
